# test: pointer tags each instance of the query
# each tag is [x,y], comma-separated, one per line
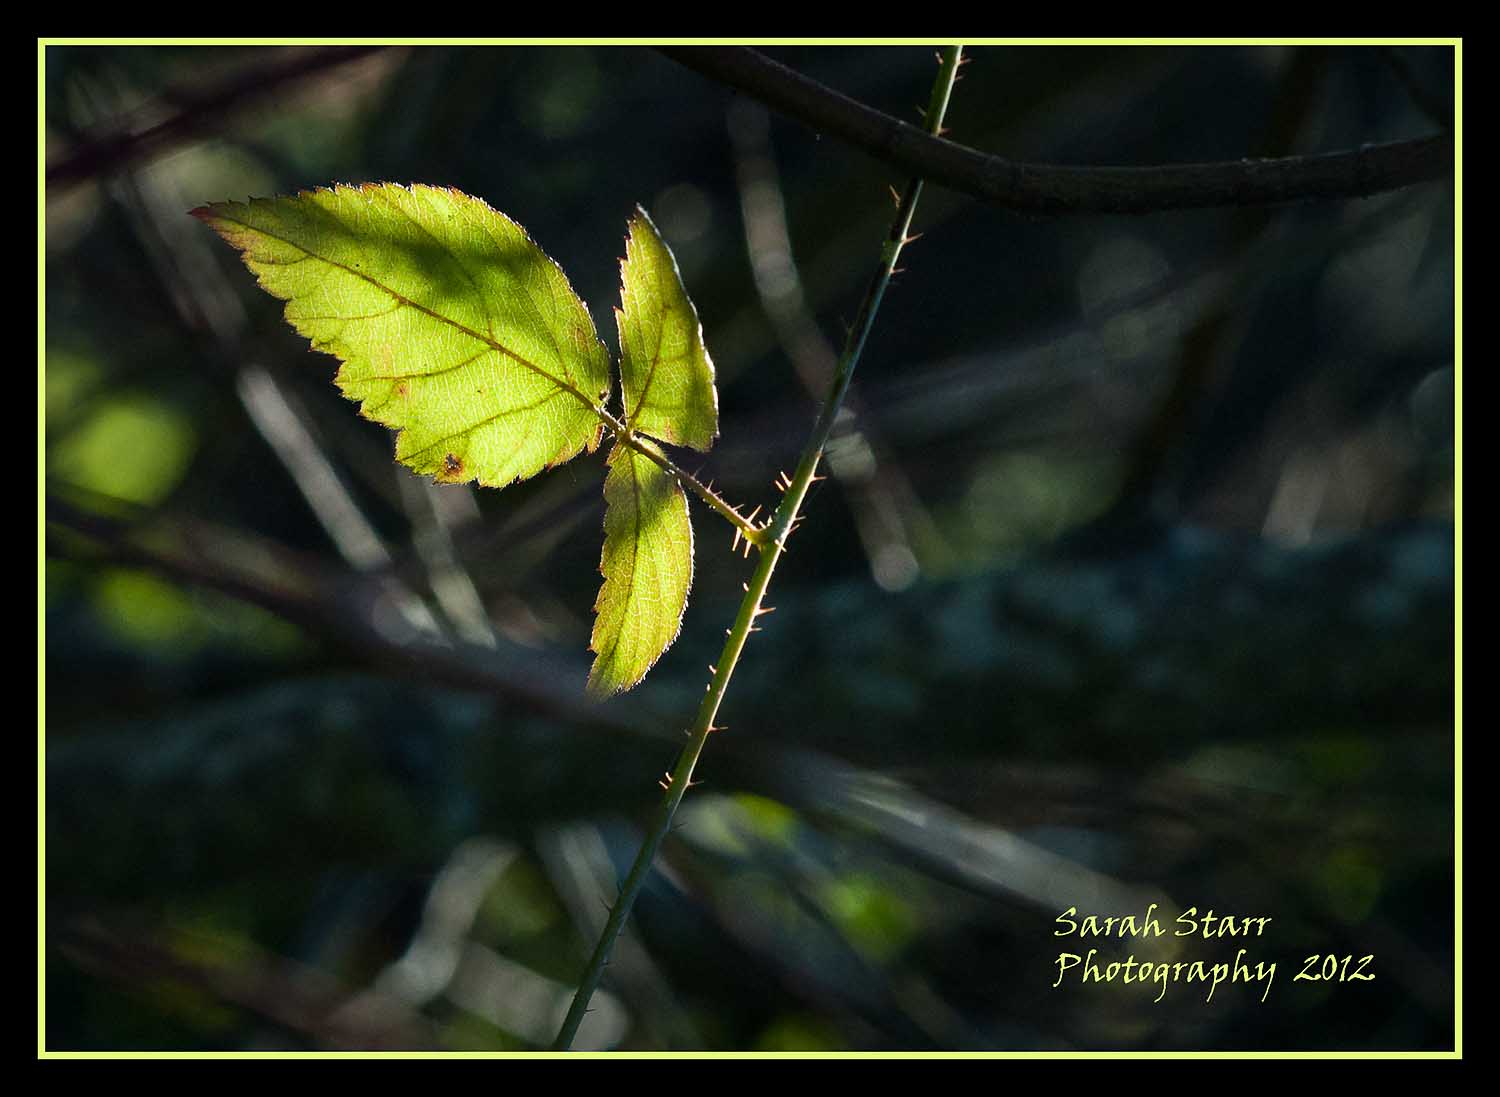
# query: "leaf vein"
[419,307]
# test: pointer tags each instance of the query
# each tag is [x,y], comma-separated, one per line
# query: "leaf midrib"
[402,299]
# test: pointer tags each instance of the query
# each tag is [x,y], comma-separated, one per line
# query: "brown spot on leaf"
[453,466]
[403,389]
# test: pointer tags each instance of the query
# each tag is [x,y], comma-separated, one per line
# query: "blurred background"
[1132,580]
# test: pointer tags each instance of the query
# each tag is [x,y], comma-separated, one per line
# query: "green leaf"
[453,327]
[667,385]
[648,570]
[666,376]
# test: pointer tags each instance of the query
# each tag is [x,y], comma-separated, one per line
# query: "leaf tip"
[599,690]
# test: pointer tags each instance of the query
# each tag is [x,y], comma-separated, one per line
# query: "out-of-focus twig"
[580,868]
[351,611]
[434,510]
[1262,238]
[884,505]
[129,142]
[306,1001]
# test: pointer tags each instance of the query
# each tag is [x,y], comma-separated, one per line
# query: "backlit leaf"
[453,327]
[648,570]
[458,331]
[666,375]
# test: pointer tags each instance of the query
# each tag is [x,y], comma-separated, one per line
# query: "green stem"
[772,544]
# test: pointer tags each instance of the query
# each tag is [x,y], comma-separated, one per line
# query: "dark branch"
[1050,188]
[112,151]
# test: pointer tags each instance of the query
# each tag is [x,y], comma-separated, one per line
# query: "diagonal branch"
[1058,189]
[112,151]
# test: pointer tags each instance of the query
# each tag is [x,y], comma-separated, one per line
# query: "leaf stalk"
[756,535]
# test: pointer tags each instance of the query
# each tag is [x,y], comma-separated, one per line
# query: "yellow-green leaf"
[666,375]
[648,570]
[453,327]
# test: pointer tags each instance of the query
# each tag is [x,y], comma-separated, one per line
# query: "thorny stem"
[774,534]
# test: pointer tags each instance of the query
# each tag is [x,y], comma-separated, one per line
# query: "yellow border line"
[1456,43]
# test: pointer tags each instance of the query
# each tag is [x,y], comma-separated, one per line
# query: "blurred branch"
[204,110]
[963,641]
[880,495]
[576,859]
[302,999]
[1262,241]
[352,611]
[1058,189]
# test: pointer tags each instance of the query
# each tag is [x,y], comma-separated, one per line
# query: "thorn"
[694,784]
[815,479]
[730,632]
[923,112]
[765,609]
[895,194]
[712,669]
[747,591]
[912,239]
[753,513]
[753,628]
[941,130]
[747,548]
[737,535]
[939,56]
[897,270]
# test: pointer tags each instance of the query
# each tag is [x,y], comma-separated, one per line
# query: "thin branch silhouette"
[1060,189]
